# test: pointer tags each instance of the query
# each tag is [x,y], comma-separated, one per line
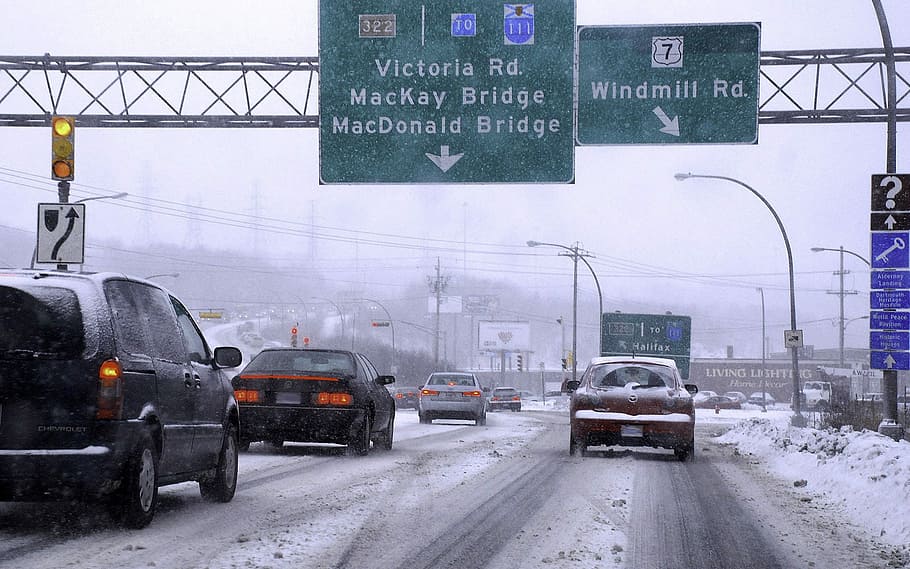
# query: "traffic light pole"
[63,195]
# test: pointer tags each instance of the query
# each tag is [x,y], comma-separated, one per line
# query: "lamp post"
[173,275]
[576,253]
[842,292]
[109,197]
[797,420]
[338,308]
[391,326]
[764,350]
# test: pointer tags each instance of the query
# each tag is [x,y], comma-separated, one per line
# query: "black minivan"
[109,390]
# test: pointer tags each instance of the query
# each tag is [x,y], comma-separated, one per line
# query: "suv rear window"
[43,321]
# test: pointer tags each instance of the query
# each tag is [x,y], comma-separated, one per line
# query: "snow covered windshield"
[620,375]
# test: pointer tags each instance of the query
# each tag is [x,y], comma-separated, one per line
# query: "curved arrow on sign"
[71,216]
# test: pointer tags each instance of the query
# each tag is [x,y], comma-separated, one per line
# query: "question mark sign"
[896,187]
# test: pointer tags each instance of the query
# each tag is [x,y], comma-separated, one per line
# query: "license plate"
[287,398]
[453,395]
[631,431]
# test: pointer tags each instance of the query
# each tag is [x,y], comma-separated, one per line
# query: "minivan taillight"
[110,390]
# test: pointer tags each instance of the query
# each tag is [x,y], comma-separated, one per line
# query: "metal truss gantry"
[809,86]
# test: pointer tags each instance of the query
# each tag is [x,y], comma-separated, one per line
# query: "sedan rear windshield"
[40,322]
[504,392]
[447,379]
[620,375]
[303,361]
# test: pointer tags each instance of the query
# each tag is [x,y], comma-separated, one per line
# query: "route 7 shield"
[61,233]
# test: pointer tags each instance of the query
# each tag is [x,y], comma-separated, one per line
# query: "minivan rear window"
[40,322]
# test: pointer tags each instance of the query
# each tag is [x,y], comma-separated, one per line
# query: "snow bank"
[867,474]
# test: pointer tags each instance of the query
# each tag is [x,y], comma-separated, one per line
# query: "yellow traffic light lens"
[62,127]
[62,147]
[63,169]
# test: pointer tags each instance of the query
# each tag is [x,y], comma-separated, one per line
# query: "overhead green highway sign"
[446,92]
[668,84]
[656,335]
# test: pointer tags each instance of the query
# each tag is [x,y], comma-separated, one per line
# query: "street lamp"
[391,326]
[842,293]
[338,308]
[764,350]
[797,420]
[108,197]
[577,254]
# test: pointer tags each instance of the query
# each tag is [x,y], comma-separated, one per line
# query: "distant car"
[756,398]
[718,402]
[701,395]
[109,390]
[505,398]
[405,397]
[452,395]
[737,395]
[632,402]
[315,396]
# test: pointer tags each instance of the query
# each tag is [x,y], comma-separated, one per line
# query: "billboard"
[503,335]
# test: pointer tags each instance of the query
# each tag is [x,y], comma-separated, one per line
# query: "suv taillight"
[110,390]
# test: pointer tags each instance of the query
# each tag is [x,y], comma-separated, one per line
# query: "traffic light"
[520,363]
[63,135]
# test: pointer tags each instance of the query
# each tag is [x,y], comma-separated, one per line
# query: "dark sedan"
[314,396]
[405,397]
[718,402]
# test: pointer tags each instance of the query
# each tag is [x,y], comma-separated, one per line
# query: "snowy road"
[454,495]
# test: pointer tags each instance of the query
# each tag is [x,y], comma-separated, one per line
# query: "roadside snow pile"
[867,473]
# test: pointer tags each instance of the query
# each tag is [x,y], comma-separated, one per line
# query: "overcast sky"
[716,241]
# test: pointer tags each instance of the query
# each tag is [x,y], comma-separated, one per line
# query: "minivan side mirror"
[572,385]
[691,388]
[385,379]
[227,356]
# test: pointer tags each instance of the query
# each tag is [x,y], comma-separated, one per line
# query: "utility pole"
[841,293]
[437,287]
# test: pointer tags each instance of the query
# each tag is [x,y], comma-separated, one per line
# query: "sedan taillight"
[428,392]
[248,395]
[334,398]
[471,393]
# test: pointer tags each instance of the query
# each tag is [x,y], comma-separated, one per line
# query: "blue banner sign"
[890,279]
[890,360]
[889,299]
[889,340]
[879,320]
[889,250]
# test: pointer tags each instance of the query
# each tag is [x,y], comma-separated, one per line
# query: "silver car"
[452,395]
